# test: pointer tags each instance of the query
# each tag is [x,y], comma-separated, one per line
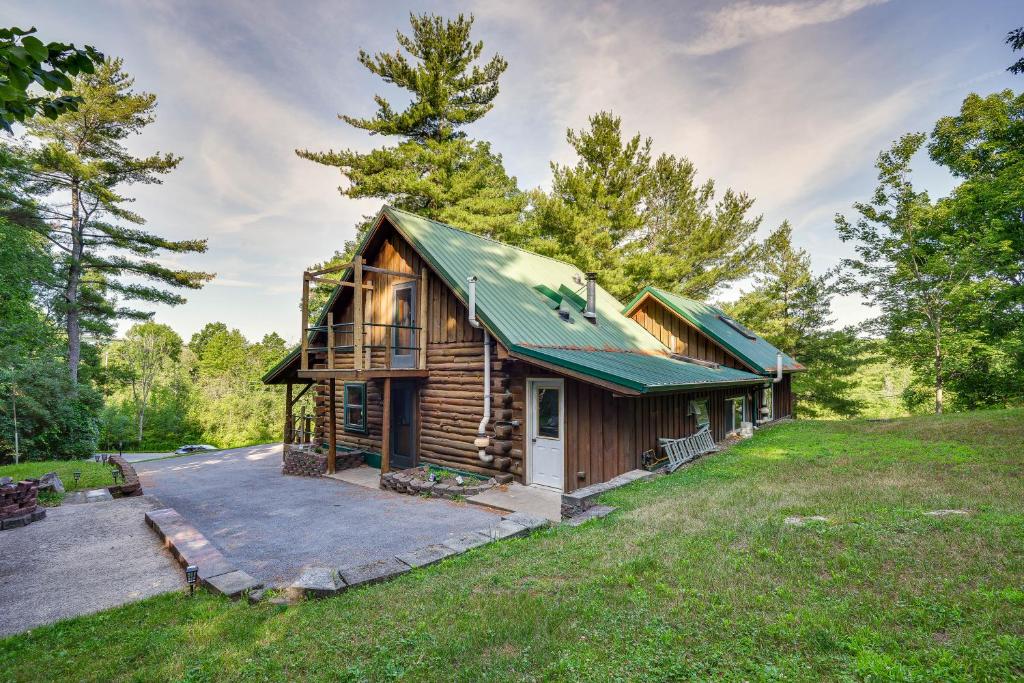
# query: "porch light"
[191,576]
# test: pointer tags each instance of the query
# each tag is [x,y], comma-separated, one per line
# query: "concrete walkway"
[272,526]
[515,497]
[81,559]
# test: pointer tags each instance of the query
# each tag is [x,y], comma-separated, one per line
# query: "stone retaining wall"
[304,464]
[19,504]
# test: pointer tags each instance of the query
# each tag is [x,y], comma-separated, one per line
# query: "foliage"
[24,60]
[1015,39]
[638,222]
[435,170]
[103,255]
[145,353]
[792,309]
[695,577]
[209,391]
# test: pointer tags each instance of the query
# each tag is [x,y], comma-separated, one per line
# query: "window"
[699,409]
[355,406]
[547,413]
[735,410]
[767,404]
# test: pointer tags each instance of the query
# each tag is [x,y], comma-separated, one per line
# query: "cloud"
[745,22]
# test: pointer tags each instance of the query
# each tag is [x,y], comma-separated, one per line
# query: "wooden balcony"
[365,348]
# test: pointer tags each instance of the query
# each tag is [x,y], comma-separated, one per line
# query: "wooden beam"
[330,269]
[330,341]
[421,335]
[338,283]
[385,271]
[375,373]
[385,435]
[357,313]
[288,403]
[304,363]
[332,433]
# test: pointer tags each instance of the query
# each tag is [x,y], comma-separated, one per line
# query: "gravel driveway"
[81,559]
[271,525]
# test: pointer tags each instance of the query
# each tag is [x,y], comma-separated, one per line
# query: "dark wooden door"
[403,425]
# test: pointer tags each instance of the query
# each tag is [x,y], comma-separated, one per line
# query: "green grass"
[94,475]
[696,577]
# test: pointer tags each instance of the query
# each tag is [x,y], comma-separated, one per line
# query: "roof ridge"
[483,237]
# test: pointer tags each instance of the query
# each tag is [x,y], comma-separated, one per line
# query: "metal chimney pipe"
[590,312]
[778,368]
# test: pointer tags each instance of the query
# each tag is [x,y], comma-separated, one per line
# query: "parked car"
[195,448]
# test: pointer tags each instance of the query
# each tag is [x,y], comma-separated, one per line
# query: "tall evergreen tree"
[77,175]
[434,170]
[792,308]
[637,222]
[908,266]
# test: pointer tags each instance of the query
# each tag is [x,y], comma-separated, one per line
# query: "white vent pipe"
[590,312]
[482,442]
[778,368]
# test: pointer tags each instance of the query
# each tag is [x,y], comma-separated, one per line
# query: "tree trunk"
[73,322]
[142,419]
[938,371]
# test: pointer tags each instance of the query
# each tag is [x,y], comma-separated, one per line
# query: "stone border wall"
[407,481]
[131,485]
[19,504]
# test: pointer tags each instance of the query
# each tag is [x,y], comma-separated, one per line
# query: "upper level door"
[546,405]
[403,334]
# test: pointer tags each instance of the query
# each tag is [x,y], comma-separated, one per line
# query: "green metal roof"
[755,353]
[641,372]
[513,304]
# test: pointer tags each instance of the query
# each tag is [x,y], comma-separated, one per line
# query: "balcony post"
[357,312]
[421,321]
[330,340]
[304,363]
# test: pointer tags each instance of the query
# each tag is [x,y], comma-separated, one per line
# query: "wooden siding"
[680,336]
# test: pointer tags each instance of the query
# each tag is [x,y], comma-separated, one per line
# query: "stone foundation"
[413,481]
[304,463]
[19,505]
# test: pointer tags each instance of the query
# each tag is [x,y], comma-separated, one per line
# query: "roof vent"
[590,312]
[564,315]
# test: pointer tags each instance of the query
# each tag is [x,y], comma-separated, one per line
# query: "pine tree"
[435,170]
[792,309]
[81,159]
[636,222]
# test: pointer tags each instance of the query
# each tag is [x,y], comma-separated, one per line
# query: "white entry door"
[546,425]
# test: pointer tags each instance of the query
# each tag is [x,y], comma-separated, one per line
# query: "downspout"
[482,441]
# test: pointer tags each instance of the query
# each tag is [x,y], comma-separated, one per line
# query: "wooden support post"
[385,426]
[288,414]
[357,312]
[304,363]
[421,321]
[389,334]
[330,340]
[332,433]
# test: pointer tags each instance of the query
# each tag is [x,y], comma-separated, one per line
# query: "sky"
[788,101]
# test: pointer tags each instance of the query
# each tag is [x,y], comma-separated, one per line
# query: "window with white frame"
[700,412]
[735,413]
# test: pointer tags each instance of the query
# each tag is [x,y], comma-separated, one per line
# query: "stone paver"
[232,584]
[515,497]
[425,556]
[81,559]
[505,529]
[318,582]
[373,572]
[467,541]
[272,526]
[592,512]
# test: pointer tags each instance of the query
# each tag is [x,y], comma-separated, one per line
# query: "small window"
[735,413]
[699,410]
[355,407]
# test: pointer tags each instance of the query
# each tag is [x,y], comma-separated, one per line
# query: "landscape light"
[77,475]
[96,457]
[191,575]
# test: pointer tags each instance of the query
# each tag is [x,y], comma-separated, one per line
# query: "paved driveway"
[272,526]
[80,559]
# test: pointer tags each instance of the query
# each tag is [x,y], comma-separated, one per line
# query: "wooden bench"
[682,451]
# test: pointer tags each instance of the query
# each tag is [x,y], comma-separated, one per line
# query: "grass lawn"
[94,475]
[696,577]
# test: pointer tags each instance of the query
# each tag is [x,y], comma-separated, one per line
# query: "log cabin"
[441,346]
